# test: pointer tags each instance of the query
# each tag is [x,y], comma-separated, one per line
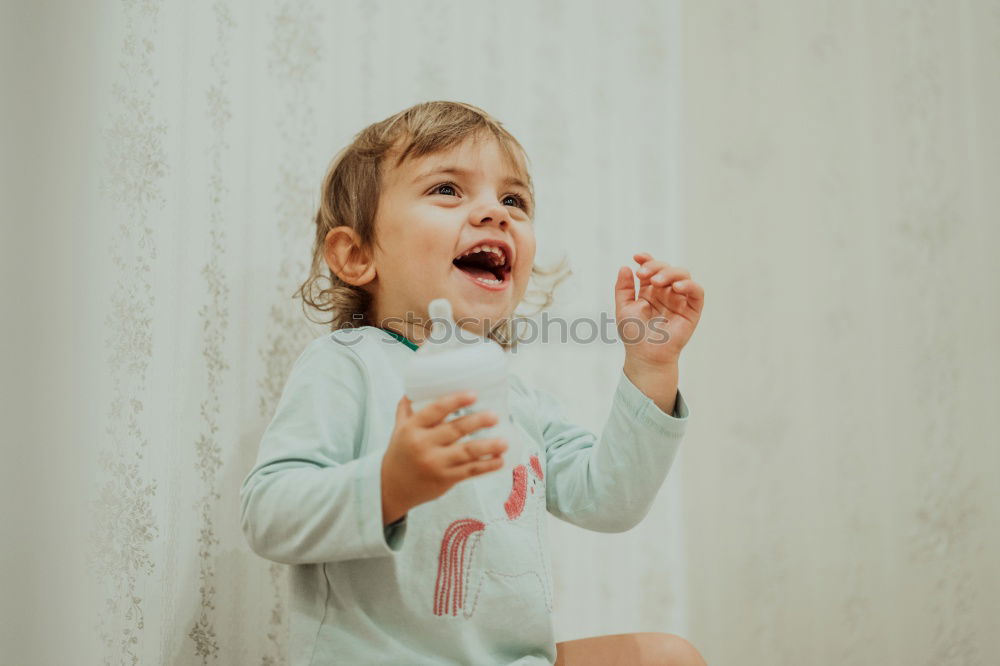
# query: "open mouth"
[486,263]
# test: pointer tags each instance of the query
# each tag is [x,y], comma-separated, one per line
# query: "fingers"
[660,274]
[434,413]
[475,468]
[655,275]
[473,451]
[451,431]
[682,296]
[694,292]
[404,409]
[624,287]
[667,290]
[441,432]
[669,276]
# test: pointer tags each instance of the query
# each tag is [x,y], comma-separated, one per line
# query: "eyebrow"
[458,171]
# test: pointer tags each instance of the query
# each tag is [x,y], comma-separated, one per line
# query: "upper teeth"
[502,258]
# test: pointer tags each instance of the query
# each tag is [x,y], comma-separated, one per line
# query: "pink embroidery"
[451,564]
[459,578]
[515,503]
[537,466]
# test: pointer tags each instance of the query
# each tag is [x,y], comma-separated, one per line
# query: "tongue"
[478,272]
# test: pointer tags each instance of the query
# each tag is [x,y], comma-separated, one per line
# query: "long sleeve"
[609,484]
[309,499]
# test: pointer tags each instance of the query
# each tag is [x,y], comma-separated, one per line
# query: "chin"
[480,310]
[494,312]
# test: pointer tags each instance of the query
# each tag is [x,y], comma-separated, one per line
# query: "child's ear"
[346,257]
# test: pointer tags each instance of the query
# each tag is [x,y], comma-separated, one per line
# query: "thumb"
[404,409]
[624,288]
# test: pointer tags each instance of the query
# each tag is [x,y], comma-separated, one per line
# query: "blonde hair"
[353,185]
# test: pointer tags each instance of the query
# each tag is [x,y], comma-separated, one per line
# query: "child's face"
[426,219]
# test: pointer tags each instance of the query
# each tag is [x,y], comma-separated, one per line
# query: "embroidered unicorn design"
[455,565]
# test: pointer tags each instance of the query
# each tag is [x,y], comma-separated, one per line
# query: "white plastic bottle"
[450,360]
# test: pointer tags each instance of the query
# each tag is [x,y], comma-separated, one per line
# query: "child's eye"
[519,200]
[448,185]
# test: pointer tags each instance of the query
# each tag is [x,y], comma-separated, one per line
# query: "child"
[406,549]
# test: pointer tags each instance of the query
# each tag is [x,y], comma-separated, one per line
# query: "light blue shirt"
[462,579]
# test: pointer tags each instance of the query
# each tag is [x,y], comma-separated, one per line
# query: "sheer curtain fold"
[216,123]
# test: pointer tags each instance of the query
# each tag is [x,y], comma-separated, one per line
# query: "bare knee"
[670,650]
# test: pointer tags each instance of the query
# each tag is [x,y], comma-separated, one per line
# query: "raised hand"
[663,314]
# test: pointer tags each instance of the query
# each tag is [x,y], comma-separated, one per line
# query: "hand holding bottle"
[424,458]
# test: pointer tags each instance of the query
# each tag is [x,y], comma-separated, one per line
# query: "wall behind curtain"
[206,129]
[840,172]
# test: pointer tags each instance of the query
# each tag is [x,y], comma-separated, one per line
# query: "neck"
[417,332]
[415,325]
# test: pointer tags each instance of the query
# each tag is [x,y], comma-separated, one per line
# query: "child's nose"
[488,220]
[492,215]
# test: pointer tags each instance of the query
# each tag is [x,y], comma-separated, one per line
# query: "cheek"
[423,249]
[415,249]
[527,255]
[413,237]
